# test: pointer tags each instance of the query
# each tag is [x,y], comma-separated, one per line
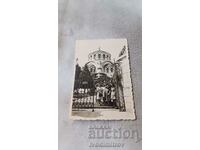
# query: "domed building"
[99,62]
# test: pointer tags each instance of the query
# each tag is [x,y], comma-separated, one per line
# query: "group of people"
[106,95]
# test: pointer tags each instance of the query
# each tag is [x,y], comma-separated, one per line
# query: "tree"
[117,80]
[85,78]
[77,74]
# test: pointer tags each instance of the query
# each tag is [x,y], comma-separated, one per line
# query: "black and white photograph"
[99,75]
[102,83]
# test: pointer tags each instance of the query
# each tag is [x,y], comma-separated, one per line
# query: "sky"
[84,47]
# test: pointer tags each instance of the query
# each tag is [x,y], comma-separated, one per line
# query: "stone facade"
[100,62]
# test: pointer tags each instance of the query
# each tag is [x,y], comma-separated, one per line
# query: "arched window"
[94,56]
[90,69]
[104,56]
[111,69]
[99,56]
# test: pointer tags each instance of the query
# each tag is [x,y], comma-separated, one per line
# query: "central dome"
[99,55]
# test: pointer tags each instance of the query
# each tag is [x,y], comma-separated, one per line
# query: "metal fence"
[83,99]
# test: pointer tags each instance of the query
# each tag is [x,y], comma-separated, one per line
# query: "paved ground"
[99,114]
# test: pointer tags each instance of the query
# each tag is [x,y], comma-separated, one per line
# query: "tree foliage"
[77,74]
[83,78]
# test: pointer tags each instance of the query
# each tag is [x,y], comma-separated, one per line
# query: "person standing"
[98,93]
[113,97]
[109,95]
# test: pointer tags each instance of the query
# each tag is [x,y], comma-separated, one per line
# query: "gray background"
[97,19]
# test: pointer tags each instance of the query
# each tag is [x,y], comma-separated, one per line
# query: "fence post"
[93,102]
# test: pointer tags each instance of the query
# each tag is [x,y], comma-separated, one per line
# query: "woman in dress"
[113,97]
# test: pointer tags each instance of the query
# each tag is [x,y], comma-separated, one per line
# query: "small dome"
[99,55]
